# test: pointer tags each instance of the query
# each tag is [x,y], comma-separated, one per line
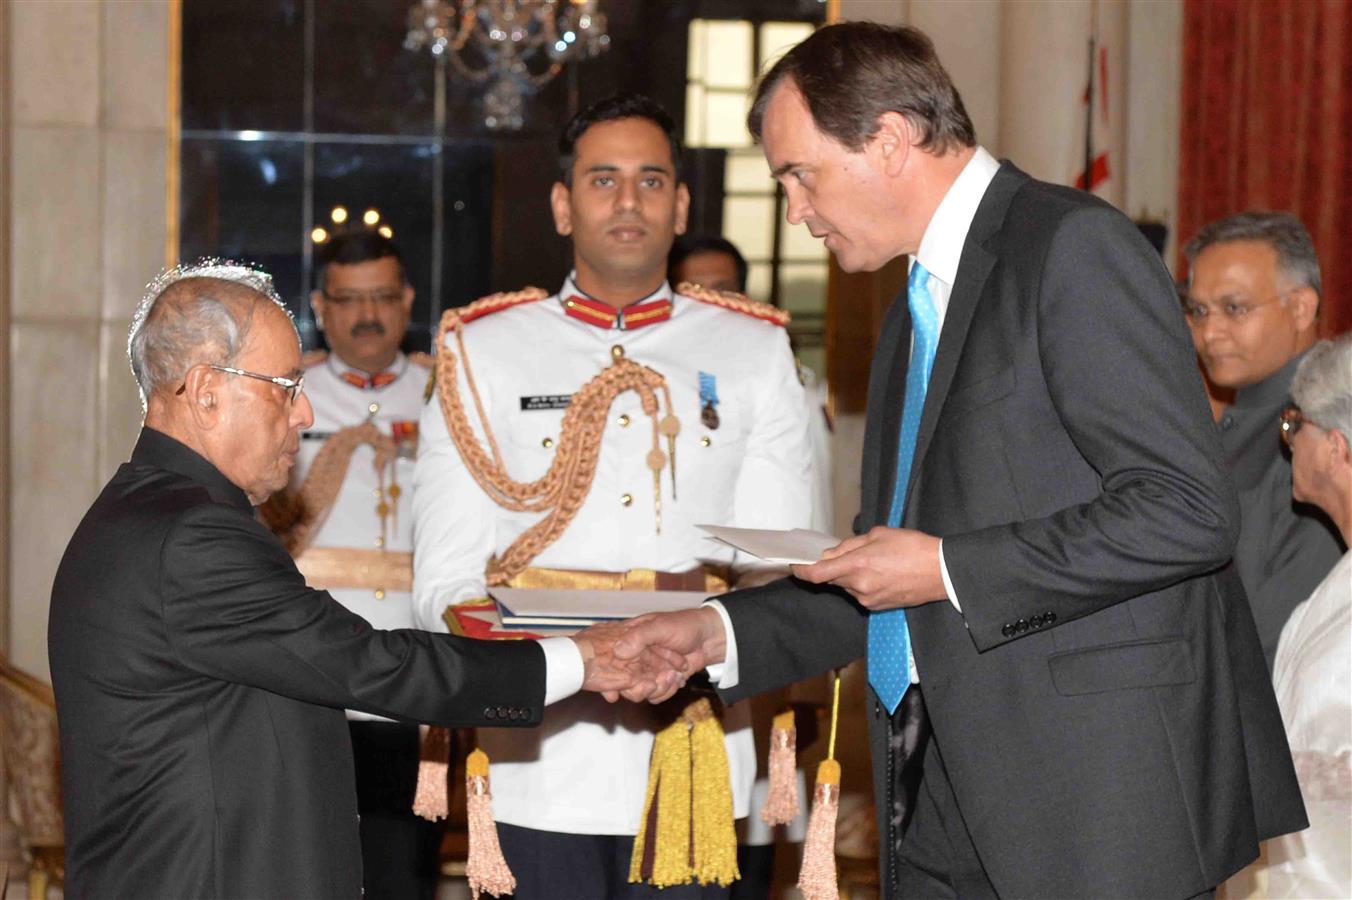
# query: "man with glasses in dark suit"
[1252,302]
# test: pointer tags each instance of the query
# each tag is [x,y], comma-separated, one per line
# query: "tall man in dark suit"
[1068,699]
[200,684]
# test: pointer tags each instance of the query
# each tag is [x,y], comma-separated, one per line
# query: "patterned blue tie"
[889,640]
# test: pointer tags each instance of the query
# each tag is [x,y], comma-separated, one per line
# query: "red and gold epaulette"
[312,358]
[421,359]
[485,306]
[735,302]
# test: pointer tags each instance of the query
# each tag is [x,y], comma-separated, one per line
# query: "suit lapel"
[974,267]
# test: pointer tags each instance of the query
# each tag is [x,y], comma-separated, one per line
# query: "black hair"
[688,245]
[359,245]
[613,108]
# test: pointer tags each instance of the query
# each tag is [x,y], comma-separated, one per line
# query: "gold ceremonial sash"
[703,579]
[344,567]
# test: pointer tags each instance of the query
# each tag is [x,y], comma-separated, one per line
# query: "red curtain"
[1267,124]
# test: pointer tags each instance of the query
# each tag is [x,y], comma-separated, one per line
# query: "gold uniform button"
[379,494]
[547,443]
[623,420]
[380,542]
[373,408]
[626,499]
[380,595]
[705,441]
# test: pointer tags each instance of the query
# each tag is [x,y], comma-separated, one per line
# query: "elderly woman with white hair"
[1313,667]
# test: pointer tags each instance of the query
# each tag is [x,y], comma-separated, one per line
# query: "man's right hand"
[687,641]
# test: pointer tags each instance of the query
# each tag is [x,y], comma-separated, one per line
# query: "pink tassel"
[781,802]
[817,877]
[486,868]
[429,798]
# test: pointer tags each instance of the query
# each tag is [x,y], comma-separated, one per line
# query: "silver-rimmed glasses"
[292,386]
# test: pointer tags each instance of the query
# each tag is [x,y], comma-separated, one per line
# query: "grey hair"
[1280,230]
[1322,387]
[162,348]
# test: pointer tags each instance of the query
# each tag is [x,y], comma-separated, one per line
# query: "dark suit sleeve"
[1123,379]
[238,610]
[789,630]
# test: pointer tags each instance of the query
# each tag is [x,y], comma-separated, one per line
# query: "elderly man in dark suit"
[1068,695]
[200,684]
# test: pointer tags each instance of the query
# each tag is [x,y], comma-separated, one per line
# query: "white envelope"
[538,606]
[798,546]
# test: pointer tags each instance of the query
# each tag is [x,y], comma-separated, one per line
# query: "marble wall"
[87,87]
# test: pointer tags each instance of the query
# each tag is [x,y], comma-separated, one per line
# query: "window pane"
[777,37]
[365,81]
[797,243]
[694,59]
[758,281]
[747,222]
[725,119]
[727,55]
[243,65]
[747,172]
[241,200]
[802,287]
[694,115]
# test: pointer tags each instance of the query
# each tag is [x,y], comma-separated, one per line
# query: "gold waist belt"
[343,567]
[706,579]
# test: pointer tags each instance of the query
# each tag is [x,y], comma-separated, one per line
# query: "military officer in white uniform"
[569,797]
[351,524]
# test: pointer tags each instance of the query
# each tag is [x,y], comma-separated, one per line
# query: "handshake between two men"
[650,657]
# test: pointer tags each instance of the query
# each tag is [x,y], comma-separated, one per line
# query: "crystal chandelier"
[512,46]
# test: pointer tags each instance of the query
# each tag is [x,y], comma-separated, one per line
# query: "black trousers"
[550,865]
[399,851]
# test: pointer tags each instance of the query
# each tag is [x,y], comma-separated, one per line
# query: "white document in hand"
[798,546]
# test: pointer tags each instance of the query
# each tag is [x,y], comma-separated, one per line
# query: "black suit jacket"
[1101,702]
[200,689]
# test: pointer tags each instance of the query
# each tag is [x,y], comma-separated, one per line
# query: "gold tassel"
[429,798]
[687,830]
[781,801]
[485,869]
[817,877]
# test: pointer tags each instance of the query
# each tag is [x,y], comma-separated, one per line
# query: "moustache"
[373,327]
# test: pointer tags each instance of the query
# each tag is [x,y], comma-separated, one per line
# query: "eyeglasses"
[1231,310]
[386,297]
[292,386]
[1291,419]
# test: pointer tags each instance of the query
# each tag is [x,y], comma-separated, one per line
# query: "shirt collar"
[158,450]
[651,309]
[346,373]
[941,247]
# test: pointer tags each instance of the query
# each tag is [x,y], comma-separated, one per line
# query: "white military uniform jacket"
[585,770]
[354,521]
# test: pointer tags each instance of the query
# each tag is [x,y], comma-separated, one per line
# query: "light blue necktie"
[889,640]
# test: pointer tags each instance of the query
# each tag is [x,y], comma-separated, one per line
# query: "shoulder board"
[424,360]
[735,302]
[486,306]
[313,358]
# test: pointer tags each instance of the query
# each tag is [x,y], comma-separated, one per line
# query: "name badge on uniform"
[546,401]
[708,400]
